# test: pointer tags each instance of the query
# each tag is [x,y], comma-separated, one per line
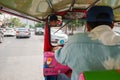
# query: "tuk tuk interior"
[69,11]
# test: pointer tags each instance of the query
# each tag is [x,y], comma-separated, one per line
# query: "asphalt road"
[21,59]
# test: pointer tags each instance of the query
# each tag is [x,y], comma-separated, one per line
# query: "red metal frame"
[47,44]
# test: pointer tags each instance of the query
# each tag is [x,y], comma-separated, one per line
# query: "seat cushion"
[102,75]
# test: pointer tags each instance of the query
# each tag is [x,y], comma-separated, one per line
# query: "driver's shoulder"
[79,37]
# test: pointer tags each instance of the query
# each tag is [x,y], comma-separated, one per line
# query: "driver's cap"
[100,13]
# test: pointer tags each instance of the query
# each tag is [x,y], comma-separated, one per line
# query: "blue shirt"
[81,54]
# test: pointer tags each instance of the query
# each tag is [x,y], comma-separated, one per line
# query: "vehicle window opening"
[63,26]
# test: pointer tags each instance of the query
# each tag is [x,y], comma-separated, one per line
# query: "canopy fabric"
[40,9]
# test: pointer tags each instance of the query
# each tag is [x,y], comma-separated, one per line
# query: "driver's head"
[52,20]
[99,15]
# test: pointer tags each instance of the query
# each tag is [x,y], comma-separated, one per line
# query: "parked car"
[58,37]
[116,29]
[39,31]
[1,35]
[23,32]
[117,33]
[32,30]
[9,32]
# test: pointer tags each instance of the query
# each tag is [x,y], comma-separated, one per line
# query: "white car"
[58,37]
[9,32]
[116,29]
[39,31]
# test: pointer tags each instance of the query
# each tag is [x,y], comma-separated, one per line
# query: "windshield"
[59,36]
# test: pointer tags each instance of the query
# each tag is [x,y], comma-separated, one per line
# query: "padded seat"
[100,75]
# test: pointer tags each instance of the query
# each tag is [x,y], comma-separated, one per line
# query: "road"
[21,59]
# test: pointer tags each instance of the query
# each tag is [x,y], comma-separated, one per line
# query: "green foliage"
[79,22]
[30,26]
[76,23]
[42,24]
[24,25]
[17,23]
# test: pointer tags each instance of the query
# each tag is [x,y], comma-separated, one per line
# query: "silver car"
[39,31]
[23,32]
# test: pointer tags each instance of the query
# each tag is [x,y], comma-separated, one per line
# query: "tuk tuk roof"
[38,10]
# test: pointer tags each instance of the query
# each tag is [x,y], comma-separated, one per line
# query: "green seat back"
[102,75]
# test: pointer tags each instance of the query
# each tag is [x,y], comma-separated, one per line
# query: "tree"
[73,24]
[42,24]
[16,22]
[23,25]
[30,26]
